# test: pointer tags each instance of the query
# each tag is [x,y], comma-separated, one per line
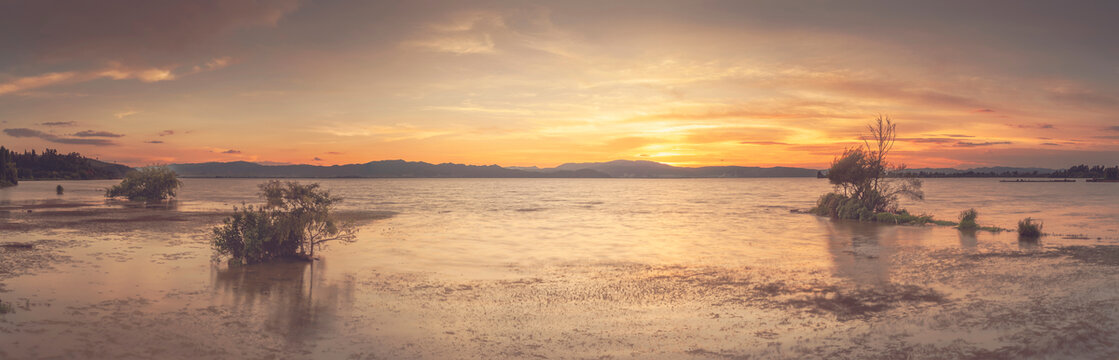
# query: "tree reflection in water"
[860,251]
[968,238]
[293,300]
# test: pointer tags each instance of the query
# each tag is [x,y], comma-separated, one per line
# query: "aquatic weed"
[1028,229]
[967,219]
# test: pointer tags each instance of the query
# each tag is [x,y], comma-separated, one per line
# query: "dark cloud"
[24,132]
[231,151]
[974,144]
[317,159]
[131,31]
[58,123]
[930,140]
[982,110]
[333,153]
[1112,128]
[91,133]
[762,143]
[1033,126]
[166,132]
[1051,144]
[154,142]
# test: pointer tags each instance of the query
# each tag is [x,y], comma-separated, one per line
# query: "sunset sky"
[521,83]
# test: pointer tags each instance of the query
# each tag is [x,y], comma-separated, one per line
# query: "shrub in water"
[295,220]
[1028,229]
[827,204]
[58,189]
[153,183]
[967,219]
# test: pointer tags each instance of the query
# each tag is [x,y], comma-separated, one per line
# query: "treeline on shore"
[1074,172]
[53,165]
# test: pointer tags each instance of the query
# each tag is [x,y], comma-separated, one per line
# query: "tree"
[8,173]
[851,172]
[1111,173]
[153,183]
[861,173]
[307,211]
[294,221]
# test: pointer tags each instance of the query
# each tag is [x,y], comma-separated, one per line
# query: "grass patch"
[839,206]
[1029,229]
[967,219]
[6,308]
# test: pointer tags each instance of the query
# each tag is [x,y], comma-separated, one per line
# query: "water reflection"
[1029,243]
[294,300]
[860,251]
[968,238]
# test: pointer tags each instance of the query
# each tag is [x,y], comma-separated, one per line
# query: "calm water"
[469,267]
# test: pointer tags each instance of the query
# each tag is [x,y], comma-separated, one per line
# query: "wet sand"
[109,281]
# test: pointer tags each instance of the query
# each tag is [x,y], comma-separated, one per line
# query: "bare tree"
[867,175]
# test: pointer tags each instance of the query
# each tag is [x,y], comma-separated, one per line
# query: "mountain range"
[611,169]
[415,169]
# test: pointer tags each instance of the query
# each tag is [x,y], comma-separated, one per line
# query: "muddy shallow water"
[539,268]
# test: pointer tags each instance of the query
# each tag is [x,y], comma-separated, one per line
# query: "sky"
[541,83]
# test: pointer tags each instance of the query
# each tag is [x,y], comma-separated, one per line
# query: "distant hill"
[412,169]
[104,170]
[53,165]
[374,169]
[650,169]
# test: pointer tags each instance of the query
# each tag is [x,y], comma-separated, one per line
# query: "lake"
[567,268]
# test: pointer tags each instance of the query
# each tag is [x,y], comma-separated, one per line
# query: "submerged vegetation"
[1028,229]
[153,183]
[294,220]
[967,219]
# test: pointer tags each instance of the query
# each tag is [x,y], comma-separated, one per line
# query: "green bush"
[294,221]
[903,217]
[153,183]
[1028,229]
[827,204]
[967,219]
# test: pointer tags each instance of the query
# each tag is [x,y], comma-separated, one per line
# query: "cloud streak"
[91,133]
[32,133]
[976,144]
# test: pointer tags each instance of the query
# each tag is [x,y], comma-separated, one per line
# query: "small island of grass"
[864,192]
[868,186]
